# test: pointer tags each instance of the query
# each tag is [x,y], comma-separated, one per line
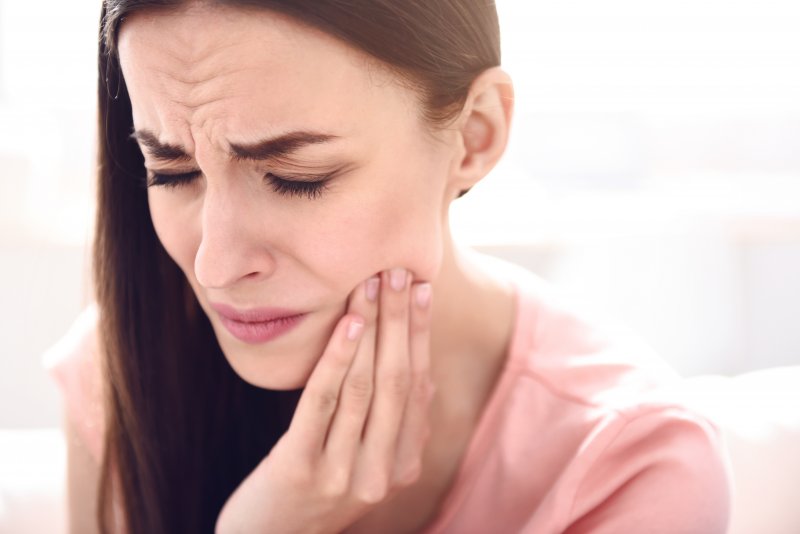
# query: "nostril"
[226,266]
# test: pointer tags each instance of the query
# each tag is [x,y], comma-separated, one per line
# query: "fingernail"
[355,328]
[397,279]
[422,294]
[373,286]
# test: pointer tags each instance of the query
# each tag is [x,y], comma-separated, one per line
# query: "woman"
[279,297]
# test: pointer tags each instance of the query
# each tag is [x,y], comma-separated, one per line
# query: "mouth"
[255,333]
[258,326]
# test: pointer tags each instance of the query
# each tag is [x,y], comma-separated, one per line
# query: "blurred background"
[654,170]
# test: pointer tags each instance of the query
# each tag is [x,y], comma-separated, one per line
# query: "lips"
[257,325]
[257,315]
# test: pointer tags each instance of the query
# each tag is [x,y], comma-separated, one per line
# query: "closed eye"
[308,188]
[171,181]
[311,189]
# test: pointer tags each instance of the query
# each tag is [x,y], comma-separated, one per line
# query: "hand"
[359,430]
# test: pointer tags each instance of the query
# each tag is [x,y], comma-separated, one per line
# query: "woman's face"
[209,84]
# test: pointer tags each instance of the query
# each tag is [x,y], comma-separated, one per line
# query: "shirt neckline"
[480,440]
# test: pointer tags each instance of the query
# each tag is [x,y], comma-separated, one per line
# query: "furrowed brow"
[160,151]
[266,149]
[278,147]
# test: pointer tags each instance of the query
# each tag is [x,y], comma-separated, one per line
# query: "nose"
[233,246]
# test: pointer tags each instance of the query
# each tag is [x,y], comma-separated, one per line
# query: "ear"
[482,129]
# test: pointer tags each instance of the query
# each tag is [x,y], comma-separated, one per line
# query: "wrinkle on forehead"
[185,50]
[189,70]
[193,41]
[194,45]
[194,94]
[188,34]
[246,72]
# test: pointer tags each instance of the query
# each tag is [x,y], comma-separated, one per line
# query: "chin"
[271,382]
[274,372]
[283,364]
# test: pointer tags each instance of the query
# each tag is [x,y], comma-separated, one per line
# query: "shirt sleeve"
[72,363]
[663,471]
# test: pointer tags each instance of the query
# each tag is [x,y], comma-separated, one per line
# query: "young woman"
[286,338]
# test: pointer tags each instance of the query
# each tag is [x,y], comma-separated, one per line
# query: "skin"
[254,74]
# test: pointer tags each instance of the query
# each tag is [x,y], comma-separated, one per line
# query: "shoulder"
[73,363]
[622,450]
[657,467]
[576,350]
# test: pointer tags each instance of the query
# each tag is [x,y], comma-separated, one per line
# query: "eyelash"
[282,186]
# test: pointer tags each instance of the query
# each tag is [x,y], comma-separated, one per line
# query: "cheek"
[174,227]
[413,240]
[391,229]
[345,242]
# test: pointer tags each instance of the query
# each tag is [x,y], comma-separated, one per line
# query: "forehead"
[245,72]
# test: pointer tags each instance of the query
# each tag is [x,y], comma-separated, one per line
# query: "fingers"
[392,381]
[364,410]
[414,429]
[344,437]
[320,398]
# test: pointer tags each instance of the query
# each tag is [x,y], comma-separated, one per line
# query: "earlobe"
[485,124]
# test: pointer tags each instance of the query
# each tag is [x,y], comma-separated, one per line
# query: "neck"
[473,317]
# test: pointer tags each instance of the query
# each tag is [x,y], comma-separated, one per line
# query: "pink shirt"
[577,436]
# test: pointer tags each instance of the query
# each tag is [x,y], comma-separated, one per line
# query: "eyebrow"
[266,149]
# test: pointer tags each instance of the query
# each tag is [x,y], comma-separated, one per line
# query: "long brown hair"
[182,429]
